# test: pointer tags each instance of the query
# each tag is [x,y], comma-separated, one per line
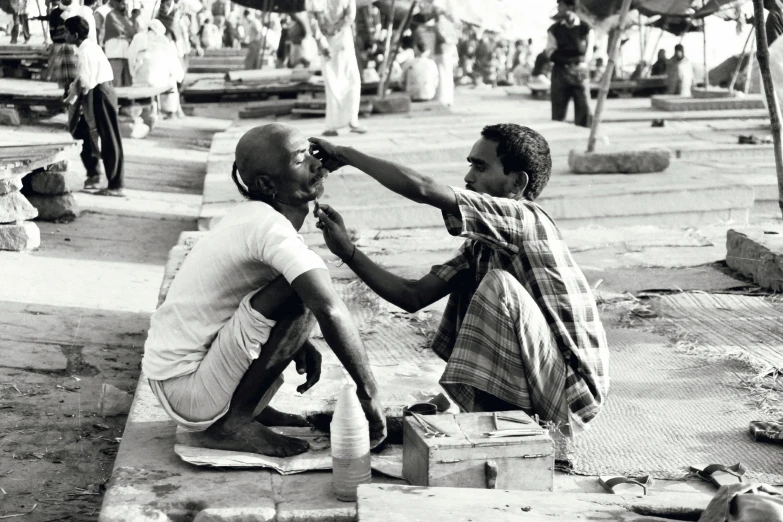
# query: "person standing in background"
[338,64]
[94,120]
[63,66]
[446,56]
[118,35]
[99,15]
[20,20]
[570,46]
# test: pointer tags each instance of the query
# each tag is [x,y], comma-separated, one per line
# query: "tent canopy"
[603,9]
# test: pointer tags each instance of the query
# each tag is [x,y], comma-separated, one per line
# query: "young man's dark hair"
[522,149]
[89,3]
[406,42]
[78,26]
[569,3]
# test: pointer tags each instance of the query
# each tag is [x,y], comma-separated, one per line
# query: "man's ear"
[521,180]
[264,184]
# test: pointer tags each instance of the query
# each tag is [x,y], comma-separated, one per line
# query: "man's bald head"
[260,151]
[272,163]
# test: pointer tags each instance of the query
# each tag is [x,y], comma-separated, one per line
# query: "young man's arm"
[397,178]
[315,289]
[410,295]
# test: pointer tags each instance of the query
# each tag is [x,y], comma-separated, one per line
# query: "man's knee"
[497,282]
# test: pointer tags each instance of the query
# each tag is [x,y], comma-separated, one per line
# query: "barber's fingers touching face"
[328,153]
[336,236]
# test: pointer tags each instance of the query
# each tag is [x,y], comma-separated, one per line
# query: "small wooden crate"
[468,459]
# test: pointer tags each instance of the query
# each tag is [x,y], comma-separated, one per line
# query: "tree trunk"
[762,51]
[606,81]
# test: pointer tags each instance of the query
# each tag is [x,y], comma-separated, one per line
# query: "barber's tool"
[510,419]
[430,429]
[513,433]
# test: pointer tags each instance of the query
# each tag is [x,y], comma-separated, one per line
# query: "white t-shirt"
[94,67]
[251,246]
[421,78]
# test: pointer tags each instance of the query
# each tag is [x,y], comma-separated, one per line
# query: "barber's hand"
[330,222]
[329,154]
[308,361]
[373,409]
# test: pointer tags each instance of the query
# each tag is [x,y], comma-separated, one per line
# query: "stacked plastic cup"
[350,434]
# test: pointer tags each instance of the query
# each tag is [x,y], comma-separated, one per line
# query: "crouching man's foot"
[250,438]
[272,417]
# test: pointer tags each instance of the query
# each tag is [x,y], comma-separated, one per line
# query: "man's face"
[300,175]
[486,174]
[563,9]
[70,37]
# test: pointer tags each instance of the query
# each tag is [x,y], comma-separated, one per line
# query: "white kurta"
[341,74]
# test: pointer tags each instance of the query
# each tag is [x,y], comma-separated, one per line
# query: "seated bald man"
[243,304]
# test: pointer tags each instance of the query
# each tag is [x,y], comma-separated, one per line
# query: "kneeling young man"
[521,328]
[243,304]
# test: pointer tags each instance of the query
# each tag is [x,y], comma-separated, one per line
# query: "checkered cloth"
[518,237]
[63,65]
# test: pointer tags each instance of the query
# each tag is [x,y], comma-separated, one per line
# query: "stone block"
[62,208]
[14,207]
[32,356]
[757,253]
[133,111]
[712,93]
[20,236]
[237,514]
[10,185]
[621,162]
[392,104]
[60,166]
[9,116]
[149,115]
[54,183]
[133,128]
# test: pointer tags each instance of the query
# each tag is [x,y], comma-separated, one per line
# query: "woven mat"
[752,326]
[668,409]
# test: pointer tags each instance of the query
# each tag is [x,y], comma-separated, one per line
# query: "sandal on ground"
[330,133]
[92,182]
[359,130]
[117,193]
[621,485]
[720,475]
[767,431]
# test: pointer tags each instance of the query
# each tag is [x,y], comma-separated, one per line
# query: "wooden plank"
[391,503]
[68,151]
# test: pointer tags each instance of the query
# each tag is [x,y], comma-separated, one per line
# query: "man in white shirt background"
[421,75]
[243,305]
[94,119]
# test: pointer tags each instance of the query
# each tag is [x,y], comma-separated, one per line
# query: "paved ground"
[75,315]
[83,300]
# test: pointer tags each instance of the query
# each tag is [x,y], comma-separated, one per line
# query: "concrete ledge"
[620,162]
[712,94]
[757,253]
[679,103]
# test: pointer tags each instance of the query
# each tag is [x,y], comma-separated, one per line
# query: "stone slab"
[10,185]
[14,207]
[9,116]
[757,253]
[54,183]
[679,103]
[60,166]
[18,237]
[620,162]
[379,503]
[62,208]
[32,356]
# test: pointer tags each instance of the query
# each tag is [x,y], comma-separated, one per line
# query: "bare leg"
[237,430]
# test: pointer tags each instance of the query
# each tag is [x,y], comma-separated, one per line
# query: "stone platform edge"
[757,253]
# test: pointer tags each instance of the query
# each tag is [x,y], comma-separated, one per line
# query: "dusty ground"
[56,453]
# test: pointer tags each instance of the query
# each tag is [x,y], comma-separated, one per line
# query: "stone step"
[678,103]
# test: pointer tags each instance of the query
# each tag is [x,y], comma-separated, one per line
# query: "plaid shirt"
[520,238]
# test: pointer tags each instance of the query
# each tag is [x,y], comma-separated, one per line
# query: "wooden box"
[469,459]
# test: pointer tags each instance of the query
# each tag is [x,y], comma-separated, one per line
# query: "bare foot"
[251,438]
[272,417]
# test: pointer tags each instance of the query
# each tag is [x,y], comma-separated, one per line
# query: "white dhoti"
[446,63]
[343,82]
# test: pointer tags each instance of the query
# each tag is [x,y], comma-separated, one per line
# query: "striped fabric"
[518,237]
[63,65]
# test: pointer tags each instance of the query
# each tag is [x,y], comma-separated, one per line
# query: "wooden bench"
[136,103]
